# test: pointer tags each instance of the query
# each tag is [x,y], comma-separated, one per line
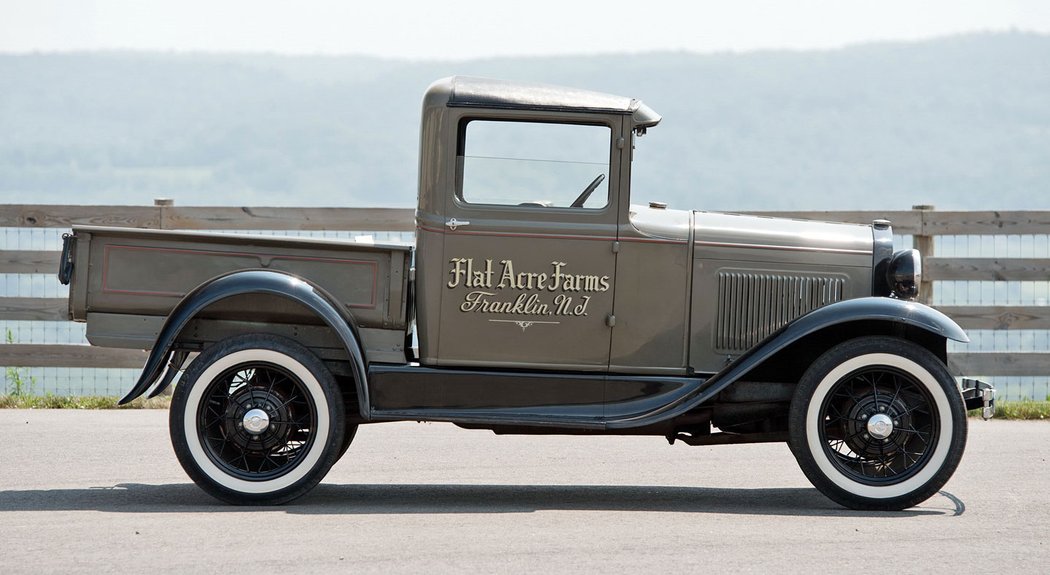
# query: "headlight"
[904,274]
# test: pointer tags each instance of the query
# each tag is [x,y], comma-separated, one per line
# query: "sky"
[473,29]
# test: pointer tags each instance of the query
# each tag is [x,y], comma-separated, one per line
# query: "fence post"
[162,203]
[162,224]
[924,243]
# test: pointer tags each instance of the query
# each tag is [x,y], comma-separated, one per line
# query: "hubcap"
[880,426]
[256,421]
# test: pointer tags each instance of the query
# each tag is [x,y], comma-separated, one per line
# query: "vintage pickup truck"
[543,302]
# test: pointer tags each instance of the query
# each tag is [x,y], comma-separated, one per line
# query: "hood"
[781,234]
[719,230]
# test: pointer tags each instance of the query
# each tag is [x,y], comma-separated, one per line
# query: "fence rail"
[169,217]
[924,224]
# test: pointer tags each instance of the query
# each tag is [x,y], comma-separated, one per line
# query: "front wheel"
[877,423]
[257,419]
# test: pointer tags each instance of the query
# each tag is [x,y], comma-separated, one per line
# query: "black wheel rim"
[846,437]
[272,452]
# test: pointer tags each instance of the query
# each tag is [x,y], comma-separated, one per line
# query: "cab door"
[528,243]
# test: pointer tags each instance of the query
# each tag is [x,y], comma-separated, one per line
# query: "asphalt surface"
[101,491]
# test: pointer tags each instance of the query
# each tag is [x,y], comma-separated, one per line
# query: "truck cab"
[525,239]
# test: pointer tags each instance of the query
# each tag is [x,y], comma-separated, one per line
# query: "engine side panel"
[753,275]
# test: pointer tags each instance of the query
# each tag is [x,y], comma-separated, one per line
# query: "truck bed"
[126,281]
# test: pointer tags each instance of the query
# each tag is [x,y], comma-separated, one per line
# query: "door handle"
[453,223]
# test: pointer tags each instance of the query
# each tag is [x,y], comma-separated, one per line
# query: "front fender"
[873,308]
[849,311]
[255,282]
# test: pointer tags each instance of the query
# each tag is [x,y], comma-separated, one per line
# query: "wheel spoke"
[850,393]
[286,403]
[251,388]
[896,390]
[273,381]
[911,432]
[854,435]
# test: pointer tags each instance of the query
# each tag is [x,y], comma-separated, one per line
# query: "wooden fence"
[924,224]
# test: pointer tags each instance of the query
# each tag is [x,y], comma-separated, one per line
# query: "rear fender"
[254,282]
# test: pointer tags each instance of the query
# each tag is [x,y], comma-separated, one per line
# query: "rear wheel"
[877,423]
[257,419]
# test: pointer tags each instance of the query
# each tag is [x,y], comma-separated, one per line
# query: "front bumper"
[979,395]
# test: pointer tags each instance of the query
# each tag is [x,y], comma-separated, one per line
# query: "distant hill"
[960,122]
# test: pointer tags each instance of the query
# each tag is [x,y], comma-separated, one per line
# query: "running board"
[525,398]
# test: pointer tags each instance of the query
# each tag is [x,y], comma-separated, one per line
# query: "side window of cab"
[532,164]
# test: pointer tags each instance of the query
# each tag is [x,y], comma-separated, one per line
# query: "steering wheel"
[578,203]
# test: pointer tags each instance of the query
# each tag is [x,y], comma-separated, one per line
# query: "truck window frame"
[612,163]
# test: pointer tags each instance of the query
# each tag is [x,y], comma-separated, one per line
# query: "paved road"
[93,491]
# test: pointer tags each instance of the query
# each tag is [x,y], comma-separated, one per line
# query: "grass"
[50,401]
[18,378]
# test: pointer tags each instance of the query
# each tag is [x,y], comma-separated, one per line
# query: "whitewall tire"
[257,419]
[878,423]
